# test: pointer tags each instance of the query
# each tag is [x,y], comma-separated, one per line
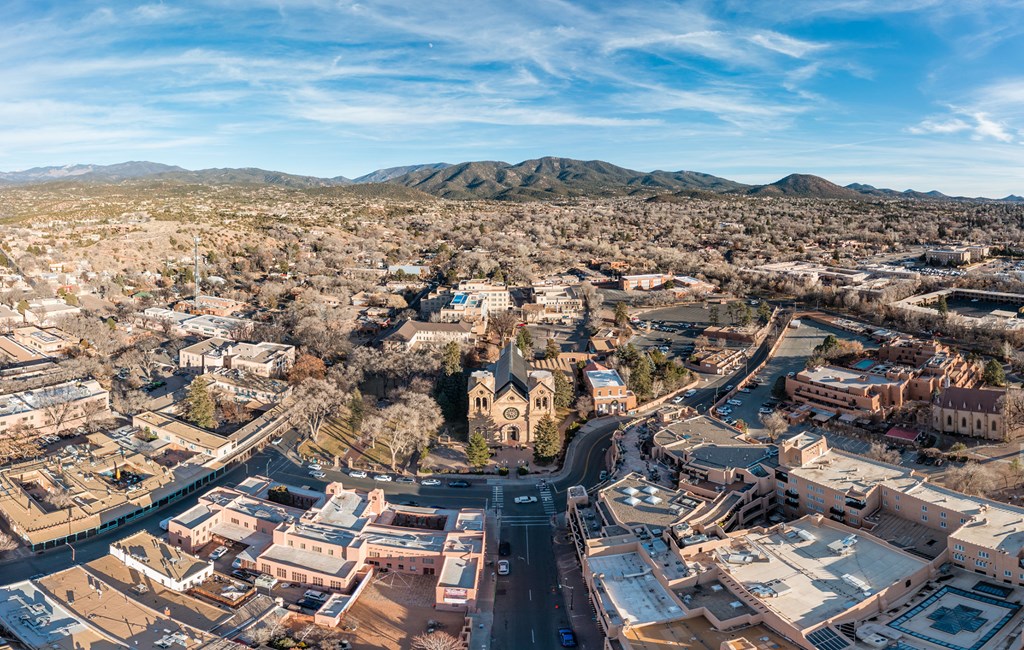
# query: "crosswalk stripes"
[547,500]
[525,521]
[498,497]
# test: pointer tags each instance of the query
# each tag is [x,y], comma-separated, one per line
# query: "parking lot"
[791,356]
[679,326]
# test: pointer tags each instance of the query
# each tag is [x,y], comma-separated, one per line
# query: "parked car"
[429,482]
[384,478]
[690,393]
[357,473]
[242,575]
[277,441]
[236,563]
[729,387]
[525,499]
[678,400]
[314,466]
[316,474]
[744,390]
[734,402]
[219,552]
[567,637]
[504,567]
[765,410]
[458,483]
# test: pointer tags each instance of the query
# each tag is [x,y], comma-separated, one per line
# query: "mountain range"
[539,179]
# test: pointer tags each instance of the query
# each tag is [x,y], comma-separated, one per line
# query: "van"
[313,594]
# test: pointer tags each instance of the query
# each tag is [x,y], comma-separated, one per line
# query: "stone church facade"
[508,401]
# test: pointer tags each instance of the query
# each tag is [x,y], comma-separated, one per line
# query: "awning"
[848,418]
[899,433]
[823,416]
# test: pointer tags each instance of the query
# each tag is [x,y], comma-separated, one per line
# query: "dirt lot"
[394,609]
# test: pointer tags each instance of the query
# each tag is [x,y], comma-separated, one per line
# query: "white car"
[678,400]
[430,482]
[277,441]
[385,478]
[690,393]
[525,499]
[316,474]
[504,567]
[734,402]
[357,473]
[315,466]
[219,552]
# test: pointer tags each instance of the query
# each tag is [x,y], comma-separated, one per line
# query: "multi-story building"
[211,306]
[556,303]
[508,401]
[716,361]
[184,435]
[47,312]
[976,412]
[224,327]
[160,562]
[905,370]
[55,408]
[50,342]
[607,390]
[412,334]
[469,300]
[957,255]
[332,541]
[263,359]
[245,386]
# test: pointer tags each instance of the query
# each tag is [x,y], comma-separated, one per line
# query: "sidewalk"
[575,596]
[483,618]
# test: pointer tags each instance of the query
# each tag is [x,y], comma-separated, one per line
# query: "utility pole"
[195,271]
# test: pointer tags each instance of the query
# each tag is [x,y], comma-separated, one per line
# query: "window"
[298,577]
[282,573]
[335,584]
[318,582]
[981,563]
[1008,574]
[330,551]
[924,508]
[302,545]
[963,422]
[983,554]
[265,568]
[290,543]
[949,420]
[942,523]
[958,547]
[942,515]
[318,549]
[924,517]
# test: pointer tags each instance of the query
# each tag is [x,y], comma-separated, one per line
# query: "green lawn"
[336,439]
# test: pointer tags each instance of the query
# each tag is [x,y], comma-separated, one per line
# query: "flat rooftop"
[835,376]
[605,378]
[458,572]
[627,589]
[844,472]
[634,501]
[820,583]
[161,557]
[39,622]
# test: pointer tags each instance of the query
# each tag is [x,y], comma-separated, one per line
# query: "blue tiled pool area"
[864,364]
[945,620]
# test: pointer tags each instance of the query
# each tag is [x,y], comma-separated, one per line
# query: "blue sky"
[896,93]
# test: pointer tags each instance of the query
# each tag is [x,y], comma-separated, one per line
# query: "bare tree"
[878,452]
[7,543]
[775,424]
[314,400]
[437,641]
[56,407]
[584,405]
[406,425]
[503,324]
[971,478]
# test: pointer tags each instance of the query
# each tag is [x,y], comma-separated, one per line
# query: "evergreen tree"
[356,411]
[546,441]
[714,316]
[563,390]
[994,373]
[477,452]
[552,350]
[524,341]
[942,306]
[640,380]
[450,391]
[451,359]
[764,312]
[199,407]
[621,314]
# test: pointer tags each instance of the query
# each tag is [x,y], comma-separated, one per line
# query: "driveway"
[797,345]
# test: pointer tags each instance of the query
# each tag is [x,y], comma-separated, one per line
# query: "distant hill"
[550,178]
[120,171]
[373,191]
[804,186]
[384,175]
[540,179]
[249,176]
